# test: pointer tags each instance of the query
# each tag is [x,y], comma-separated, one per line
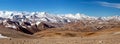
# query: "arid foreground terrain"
[110,37]
[70,33]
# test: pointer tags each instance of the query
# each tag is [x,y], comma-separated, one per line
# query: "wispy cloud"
[107,4]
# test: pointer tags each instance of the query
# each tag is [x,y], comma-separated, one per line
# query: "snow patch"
[1,36]
[37,23]
[11,26]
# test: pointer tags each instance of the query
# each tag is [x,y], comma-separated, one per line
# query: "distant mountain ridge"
[43,16]
[35,18]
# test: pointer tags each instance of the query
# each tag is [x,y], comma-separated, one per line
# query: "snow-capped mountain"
[38,16]
[43,16]
[31,22]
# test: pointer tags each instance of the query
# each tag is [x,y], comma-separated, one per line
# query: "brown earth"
[107,36]
[72,33]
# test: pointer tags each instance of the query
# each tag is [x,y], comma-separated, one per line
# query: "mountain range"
[32,22]
[43,16]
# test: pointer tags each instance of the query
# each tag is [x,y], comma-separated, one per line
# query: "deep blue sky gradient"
[88,7]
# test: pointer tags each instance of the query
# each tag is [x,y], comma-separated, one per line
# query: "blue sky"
[88,7]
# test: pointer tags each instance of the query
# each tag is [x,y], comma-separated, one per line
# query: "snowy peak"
[44,16]
[35,18]
[76,16]
[39,14]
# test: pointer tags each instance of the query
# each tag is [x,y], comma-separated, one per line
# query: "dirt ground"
[111,36]
[71,40]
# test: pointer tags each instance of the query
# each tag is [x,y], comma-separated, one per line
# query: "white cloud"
[107,4]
